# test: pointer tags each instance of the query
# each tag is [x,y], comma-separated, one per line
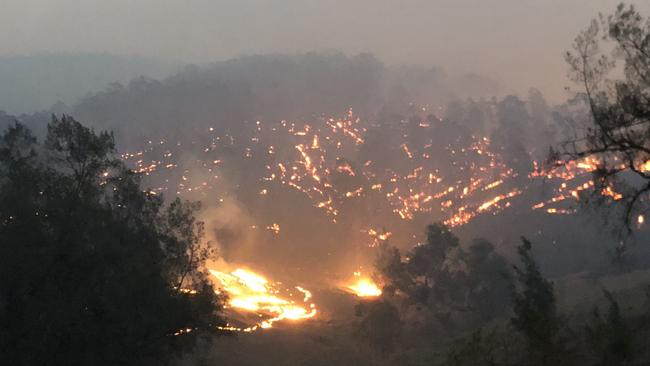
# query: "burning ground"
[309,201]
[304,198]
[321,208]
[302,187]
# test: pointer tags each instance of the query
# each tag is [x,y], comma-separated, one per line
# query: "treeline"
[537,333]
[36,82]
[264,87]
[94,269]
[231,96]
[445,305]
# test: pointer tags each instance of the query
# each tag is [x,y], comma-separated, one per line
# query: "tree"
[483,348]
[618,134]
[510,134]
[535,313]
[93,270]
[391,270]
[608,338]
[445,279]
[487,281]
[433,267]
[380,325]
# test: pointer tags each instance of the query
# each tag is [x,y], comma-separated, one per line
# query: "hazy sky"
[519,42]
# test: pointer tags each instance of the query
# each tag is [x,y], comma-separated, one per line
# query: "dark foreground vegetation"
[97,270]
[93,270]
[491,313]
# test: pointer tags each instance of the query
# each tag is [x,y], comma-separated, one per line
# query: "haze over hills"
[517,42]
[36,82]
[370,183]
[234,99]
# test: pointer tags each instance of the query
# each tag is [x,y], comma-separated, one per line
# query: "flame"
[249,291]
[609,191]
[363,286]
[315,160]
[274,228]
[645,167]
[320,162]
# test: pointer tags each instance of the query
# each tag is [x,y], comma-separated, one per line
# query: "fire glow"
[317,157]
[251,292]
[318,160]
[329,164]
[363,286]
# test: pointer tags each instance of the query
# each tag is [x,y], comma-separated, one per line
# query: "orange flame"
[363,286]
[252,292]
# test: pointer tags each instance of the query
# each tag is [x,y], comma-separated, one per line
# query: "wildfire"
[377,237]
[573,178]
[363,286]
[329,163]
[318,161]
[251,292]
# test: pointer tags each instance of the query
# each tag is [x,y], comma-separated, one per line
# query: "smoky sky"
[519,42]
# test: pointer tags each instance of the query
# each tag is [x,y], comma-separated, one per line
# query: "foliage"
[534,301]
[619,131]
[391,271]
[90,265]
[608,337]
[380,325]
[538,335]
[486,348]
[534,307]
[445,279]
[488,281]
[511,133]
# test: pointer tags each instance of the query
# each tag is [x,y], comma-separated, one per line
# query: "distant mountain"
[36,82]
[225,94]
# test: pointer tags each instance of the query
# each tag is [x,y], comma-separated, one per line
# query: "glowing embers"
[317,159]
[495,204]
[363,286]
[475,182]
[455,182]
[574,178]
[251,292]
[377,237]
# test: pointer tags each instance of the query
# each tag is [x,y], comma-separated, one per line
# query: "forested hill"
[37,82]
[263,87]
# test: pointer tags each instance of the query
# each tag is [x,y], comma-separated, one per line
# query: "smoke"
[222,134]
[510,40]
[228,226]
[307,163]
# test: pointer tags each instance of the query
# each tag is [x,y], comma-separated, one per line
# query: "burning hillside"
[310,183]
[345,185]
[422,167]
[332,164]
[255,302]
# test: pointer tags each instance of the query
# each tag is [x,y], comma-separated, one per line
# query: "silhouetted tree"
[93,270]
[511,133]
[619,131]
[487,283]
[429,261]
[380,325]
[535,313]
[444,279]
[483,348]
[608,337]
[391,270]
